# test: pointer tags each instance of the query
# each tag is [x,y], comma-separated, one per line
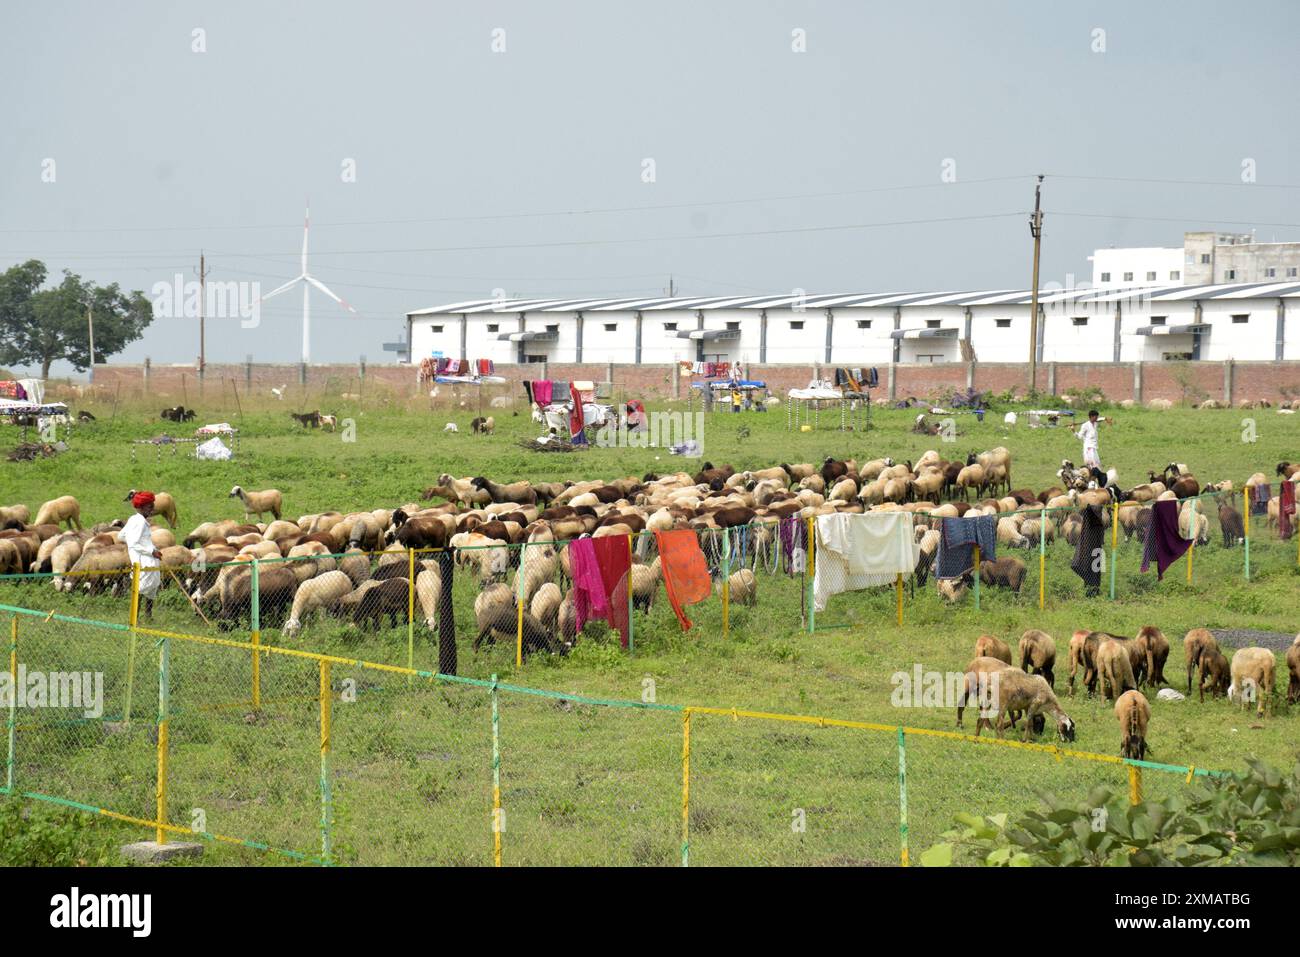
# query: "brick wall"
[1193,380]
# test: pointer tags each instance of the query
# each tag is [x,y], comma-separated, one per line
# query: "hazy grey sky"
[160,151]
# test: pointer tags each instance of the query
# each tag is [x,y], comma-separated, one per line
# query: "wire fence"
[343,761]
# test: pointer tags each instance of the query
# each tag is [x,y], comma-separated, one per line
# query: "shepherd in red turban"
[141,499]
[138,538]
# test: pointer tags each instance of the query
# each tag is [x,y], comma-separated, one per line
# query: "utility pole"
[90,328]
[203,298]
[1036,229]
[672,288]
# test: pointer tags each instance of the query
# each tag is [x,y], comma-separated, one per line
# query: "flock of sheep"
[1115,667]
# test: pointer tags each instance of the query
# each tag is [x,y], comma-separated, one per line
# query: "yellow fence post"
[326,790]
[164,716]
[902,797]
[1134,784]
[1245,518]
[130,654]
[898,588]
[686,787]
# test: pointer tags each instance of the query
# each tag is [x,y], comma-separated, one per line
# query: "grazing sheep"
[1230,522]
[742,587]
[980,689]
[1134,714]
[256,503]
[14,513]
[482,426]
[315,594]
[1195,643]
[1153,649]
[1031,694]
[496,616]
[450,427]
[428,589]
[1114,669]
[1252,673]
[986,646]
[63,509]
[1293,667]
[1214,673]
[390,597]
[1038,655]
[971,477]
[1008,572]
[545,606]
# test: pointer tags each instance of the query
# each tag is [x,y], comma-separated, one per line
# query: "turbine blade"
[322,287]
[288,285]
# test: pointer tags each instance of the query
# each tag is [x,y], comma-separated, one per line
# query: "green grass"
[412,766]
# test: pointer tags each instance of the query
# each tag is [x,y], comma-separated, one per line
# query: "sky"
[454,151]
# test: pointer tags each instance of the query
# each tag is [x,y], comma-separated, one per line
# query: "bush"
[1249,818]
[33,835]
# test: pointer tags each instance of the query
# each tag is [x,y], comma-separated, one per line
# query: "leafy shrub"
[33,835]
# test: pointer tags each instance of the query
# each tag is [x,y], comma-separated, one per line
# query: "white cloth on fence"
[138,538]
[861,550]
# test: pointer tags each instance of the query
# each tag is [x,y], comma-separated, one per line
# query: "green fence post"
[902,796]
[164,722]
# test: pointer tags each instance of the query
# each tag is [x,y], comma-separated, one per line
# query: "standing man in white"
[1091,455]
[138,538]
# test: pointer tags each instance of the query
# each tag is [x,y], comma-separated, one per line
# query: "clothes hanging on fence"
[858,550]
[1164,543]
[1091,542]
[1259,498]
[791,532]
[576,434]
[589,595]
[685,570]
[1286,509]
[957,539]
[614,559]
[543,389]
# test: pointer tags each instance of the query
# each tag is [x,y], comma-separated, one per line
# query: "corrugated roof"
[990,297]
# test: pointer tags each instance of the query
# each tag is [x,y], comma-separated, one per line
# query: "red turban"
[141,499]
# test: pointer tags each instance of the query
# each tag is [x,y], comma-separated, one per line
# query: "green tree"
[41,326]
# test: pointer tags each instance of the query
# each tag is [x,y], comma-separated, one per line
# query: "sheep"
[1134,714]
[496,616]
[14,513]
[63,557]
[1252,673]
[482,426]
[62,509]
[1038,655]
[1154,650]
[1008,572]
[256,503]
[1293,667]
[517,492]
[391,597]
[1031,694]
[315,594]
[275,588]
[645,585]
[970,477]
[1231,524]
[545,606]
[1083,651]
[742,588]
[1214,673]
[1195,643]
[986,646]
[1114,669]
[450,427]
[980,688]
[1009,534]
[459,490]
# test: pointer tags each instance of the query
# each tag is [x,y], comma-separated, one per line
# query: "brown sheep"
[1114,669]
[1031,694]
[390,597]
[1038,655]
[978,688]
[1154,650]
[1134,714]
[1252,672]
[63,509]
[163,505]
[1195,642]
[986,646]
[1007,572]
[1293,666]
[1214,672]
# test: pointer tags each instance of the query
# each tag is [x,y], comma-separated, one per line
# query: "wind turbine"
[307,281]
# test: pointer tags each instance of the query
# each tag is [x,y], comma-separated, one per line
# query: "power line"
[1175,182]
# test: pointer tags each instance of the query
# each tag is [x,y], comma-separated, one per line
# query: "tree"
[41,326]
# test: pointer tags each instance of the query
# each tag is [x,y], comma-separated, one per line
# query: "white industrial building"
[1204,257]
[1240,321]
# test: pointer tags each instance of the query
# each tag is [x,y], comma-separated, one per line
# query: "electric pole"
[203,298]
[1036,229]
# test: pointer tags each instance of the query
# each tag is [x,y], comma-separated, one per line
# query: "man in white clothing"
[138,538]
[1091,456]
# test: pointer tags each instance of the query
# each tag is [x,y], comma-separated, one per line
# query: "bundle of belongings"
[857,550]
[213,450]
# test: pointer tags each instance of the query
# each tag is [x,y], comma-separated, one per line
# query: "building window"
[1176,356]
[611,327]
[1270,272]
[670,327]
[1003,323]
[553,328]
[1128,277]
[928,358]
[1229,274]
[1205,259]
[436,328]
[864,323]
[1105,277]
[932,323]
[493,326]
[1080,320]
[1175,275]
[1158,320]
[533,358]
[1241,318]
[1290,271]
[796,323]
[1151,277]
[733,325]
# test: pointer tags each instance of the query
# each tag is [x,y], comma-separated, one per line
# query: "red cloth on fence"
[599,567]
[685,570]
[1286,510]
[615,562]
[575,416]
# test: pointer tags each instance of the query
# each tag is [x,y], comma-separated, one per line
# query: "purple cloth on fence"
[542,389]
[1259,497]
[792,533]
[1163,543]
[588,586]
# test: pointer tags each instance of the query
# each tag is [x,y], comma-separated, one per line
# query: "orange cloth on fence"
[686,573]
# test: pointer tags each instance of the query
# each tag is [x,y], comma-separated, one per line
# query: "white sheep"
[314,594]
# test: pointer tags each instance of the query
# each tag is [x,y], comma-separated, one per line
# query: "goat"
[1195,644]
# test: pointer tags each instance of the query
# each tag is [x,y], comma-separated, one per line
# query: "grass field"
[588,784]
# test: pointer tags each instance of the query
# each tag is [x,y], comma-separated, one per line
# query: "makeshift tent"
[803,408]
